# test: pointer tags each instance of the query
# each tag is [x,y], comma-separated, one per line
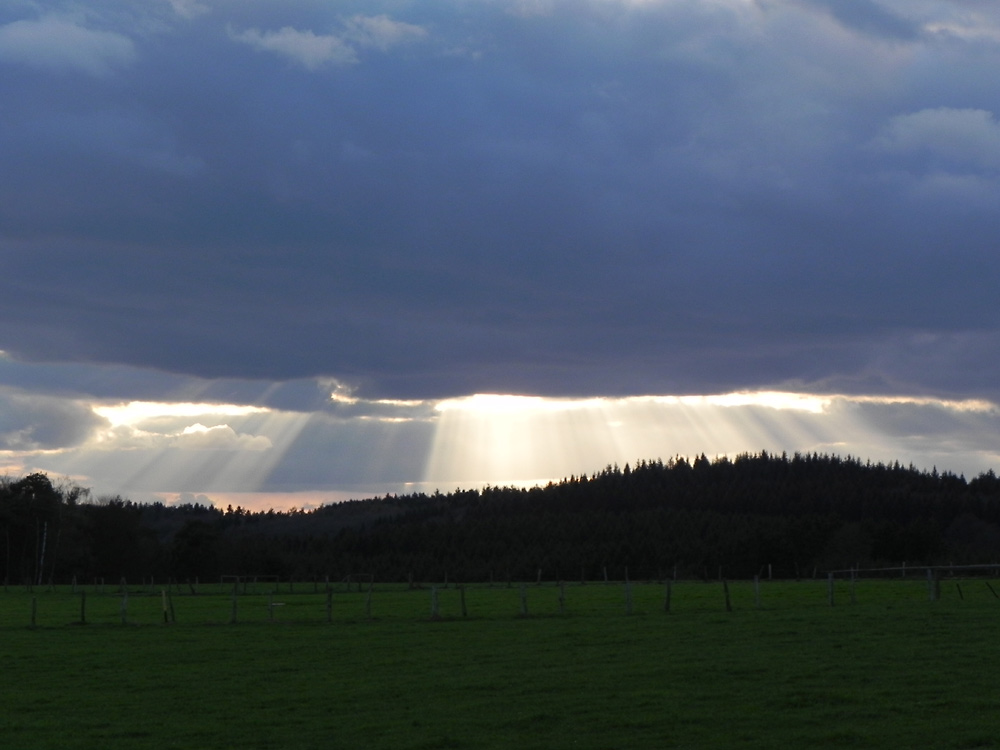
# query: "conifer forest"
[787,515]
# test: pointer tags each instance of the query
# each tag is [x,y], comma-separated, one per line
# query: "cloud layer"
[441,198]
[238,201]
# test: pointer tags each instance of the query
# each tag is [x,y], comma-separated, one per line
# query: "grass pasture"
[890,670]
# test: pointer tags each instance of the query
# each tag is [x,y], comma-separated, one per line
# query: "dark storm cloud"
[424,199]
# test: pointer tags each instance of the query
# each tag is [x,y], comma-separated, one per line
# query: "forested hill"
[795,513]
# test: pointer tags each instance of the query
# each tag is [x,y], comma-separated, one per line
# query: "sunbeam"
[496,439]
[164,448]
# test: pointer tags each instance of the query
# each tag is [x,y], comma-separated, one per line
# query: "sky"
[284,252]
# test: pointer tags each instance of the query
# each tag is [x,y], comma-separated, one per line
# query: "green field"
[891,669]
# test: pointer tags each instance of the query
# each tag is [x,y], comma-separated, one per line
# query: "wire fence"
[361,598]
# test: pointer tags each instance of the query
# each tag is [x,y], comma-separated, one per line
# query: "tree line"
[790,515]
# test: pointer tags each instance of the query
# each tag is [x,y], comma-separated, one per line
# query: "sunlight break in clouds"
[139,411]
[497,439]
[162,448]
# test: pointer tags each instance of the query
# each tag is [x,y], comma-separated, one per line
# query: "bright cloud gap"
[357,447]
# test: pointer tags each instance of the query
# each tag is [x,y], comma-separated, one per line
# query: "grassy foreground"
[891,670]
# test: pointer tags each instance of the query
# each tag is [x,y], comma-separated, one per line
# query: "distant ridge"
[789,515]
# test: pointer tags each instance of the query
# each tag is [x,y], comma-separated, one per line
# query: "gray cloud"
[870,17]
[304,47]
[59,43]
[30,422]
[593,197]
